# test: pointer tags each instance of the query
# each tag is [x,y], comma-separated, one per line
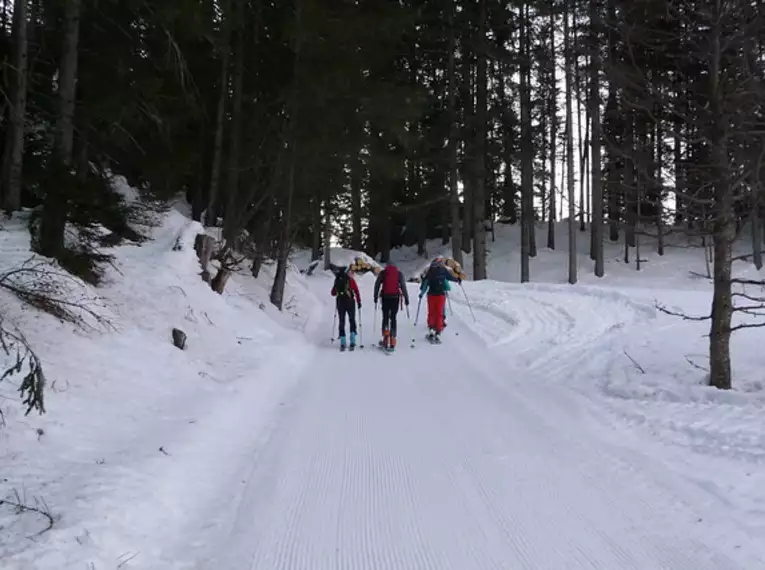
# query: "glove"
[406,302]
[375,300]
[421,294]
[459,280]
[359,304]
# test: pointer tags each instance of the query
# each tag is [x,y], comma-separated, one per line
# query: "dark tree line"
[390,123]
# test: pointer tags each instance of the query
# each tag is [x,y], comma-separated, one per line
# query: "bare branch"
[747,326]
[683,316]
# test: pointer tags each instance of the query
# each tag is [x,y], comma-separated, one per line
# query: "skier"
[447,287]
[435,284]
[348,297]
[393,285]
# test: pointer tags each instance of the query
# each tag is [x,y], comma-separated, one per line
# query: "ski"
[433,339]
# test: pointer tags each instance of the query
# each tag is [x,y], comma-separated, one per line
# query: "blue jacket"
[436,281]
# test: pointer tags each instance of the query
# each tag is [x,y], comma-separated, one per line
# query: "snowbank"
[134,424]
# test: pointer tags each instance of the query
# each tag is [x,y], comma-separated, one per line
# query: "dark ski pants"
[346,307]
[390,306]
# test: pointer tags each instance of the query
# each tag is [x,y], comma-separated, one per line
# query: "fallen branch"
[634,362]
[666,311]
[697,366]
[127,558]
[41,285]
[21,507]
[32,385]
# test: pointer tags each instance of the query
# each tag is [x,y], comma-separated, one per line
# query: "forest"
[390,123]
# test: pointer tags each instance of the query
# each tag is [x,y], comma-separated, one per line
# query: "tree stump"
[219,281]
[203,245]
[179,339]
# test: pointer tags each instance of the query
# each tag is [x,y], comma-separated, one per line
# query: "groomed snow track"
[454,457]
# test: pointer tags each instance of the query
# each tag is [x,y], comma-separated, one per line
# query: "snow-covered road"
[450,458]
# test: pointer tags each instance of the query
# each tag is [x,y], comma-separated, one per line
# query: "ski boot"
[342,344]
[353,341]
[384,343]
[392,344]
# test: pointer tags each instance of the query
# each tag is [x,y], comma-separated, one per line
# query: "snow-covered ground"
[557,427]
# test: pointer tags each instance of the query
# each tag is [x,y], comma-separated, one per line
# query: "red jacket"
[355,293]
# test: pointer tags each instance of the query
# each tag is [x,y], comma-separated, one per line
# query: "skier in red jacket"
[393,285]
[348,297]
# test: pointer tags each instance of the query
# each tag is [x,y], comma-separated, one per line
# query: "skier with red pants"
[393,286]
[348,297]
[436,286]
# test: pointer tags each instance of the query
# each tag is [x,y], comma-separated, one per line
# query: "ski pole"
[417,316]
[361,331]
[468,302]
[334,323]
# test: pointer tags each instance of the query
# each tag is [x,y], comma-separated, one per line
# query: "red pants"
[436,312]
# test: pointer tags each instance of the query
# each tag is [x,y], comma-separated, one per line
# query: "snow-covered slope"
[136,429]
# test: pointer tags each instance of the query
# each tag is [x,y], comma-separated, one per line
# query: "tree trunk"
[468,179]
[262,236]
[581,142]
[756,222]
[543,198]
[284,246]
[479,206]
[680,216]
[570,62]
[211,217]
[724,225]
[527,154]
[327,234]
[659,181]
[232,215]
[613,171]
[630,183]
[531,198]
[509,208]
[14,149]
[55,206]
[597,191]
[420,212]
[553,103]
[553,106]
[316,229]
[356,179]
[454,200]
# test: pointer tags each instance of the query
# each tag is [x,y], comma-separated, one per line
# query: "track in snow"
[420,461]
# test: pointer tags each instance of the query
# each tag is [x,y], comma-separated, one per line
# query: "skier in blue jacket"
[436,284]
